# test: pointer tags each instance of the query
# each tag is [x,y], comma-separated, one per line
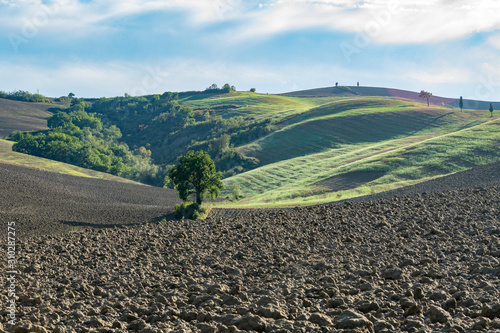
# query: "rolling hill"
[42,202]
[349,145]
[350,91]
[325,144]
[7,156]
[22,116]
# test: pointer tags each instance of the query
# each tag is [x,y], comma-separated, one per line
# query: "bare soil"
[22,116]
[423,262]
[42,202]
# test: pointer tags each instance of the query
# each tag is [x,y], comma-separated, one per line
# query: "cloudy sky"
[97,48]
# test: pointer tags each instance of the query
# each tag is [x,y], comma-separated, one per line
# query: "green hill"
[305,147]
[10,157]
[349,122]
[365,165]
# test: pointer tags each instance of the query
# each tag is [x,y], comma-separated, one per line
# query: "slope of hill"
[311,146]
[353,121]
[368,168]
[477,178]
[7,156]
[42,202]
[22,116]
[350,91]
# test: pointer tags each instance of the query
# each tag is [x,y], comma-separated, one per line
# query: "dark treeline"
[24,96]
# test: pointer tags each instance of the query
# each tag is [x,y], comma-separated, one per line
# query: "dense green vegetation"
[11,157]
[169,129]
[140,138]
[79,138]
[195,174]
[272,150]
[24,96]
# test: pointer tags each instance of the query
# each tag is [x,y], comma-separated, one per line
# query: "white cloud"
[440,76]
[391,22]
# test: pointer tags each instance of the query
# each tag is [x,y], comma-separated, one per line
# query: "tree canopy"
[425,95]
[195,174]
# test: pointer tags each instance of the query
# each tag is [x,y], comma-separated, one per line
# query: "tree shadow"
[167,217]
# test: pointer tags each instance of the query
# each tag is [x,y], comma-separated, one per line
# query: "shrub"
[191,211]
[235,191]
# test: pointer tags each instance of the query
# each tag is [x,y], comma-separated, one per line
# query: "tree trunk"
[199,199]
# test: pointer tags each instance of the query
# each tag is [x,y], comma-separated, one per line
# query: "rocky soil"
[42,202]
[420,263]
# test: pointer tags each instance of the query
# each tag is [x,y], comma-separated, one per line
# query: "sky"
[106,48]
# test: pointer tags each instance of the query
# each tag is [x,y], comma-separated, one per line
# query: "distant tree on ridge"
[461,103]
[491,109]
[425,95]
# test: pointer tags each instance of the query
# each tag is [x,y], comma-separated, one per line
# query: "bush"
[191,211]
[24,96]
[235,191]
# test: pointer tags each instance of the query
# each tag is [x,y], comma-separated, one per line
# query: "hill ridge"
[388,92]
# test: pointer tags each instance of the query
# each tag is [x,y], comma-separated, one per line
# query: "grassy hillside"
[249,105]
[353,91]
[305,147]
[22,116]
[349,122]
[10,157]
[364,168]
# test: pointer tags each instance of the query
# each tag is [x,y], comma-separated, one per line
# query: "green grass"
[351,122]
[254,105]
[402,161]
[321,144]
[10,157]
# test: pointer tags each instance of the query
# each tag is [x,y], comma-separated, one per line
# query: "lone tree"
[196,174]
[461,103]
[491,109]
[425,95]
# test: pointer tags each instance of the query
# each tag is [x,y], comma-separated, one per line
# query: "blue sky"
[97,48]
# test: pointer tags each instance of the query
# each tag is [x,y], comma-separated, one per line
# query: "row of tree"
[427,95]
[225,89]
[24,96]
